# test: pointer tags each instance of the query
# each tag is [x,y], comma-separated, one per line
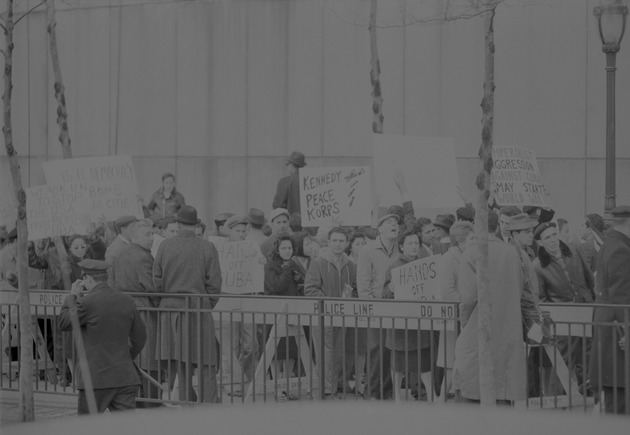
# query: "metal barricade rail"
[301,348]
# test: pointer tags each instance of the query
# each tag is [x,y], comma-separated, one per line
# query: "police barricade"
[349,340]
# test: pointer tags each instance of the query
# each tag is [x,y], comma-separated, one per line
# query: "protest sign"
[109,181]
[515,178]
[428,165]
[57,210]
[336,192]
[417,280]
[241,268]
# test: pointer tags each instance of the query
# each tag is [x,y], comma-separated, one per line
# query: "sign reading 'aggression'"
[340,192]
[515,178]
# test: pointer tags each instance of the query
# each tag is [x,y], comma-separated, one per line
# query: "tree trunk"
[66,150]
[27,405]
[62,121]
[486,362]
[375,74]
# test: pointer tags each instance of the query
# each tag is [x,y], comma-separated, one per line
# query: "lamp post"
[611,21]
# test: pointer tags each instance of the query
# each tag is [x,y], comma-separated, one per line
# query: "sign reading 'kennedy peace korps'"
[342,193]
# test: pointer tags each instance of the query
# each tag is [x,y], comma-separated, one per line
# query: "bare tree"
[27,407]
[484,321]
[375,73]
[62,121]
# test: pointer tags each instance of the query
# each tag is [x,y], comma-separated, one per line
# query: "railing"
[267,348]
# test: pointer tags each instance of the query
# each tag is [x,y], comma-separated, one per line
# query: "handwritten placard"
[417,280]
[110,182]
[57,210]
[335,192]
[515,178]
[241,266]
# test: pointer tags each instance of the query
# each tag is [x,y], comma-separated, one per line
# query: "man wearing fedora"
[256,220]
[288,190]
[610,356]
[188,264]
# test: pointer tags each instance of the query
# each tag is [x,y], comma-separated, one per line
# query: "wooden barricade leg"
[561,370]
[303,385]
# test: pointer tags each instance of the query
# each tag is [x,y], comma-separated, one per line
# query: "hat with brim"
[542,228]
[296,158]
[466,214]
[387,216]
[521,221]
[123,221]
[236,220]
[276,212]
[91,267]
[444,221]
[187,215]
[256,216]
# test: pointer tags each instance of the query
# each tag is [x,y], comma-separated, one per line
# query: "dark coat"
[187,264]
[288,193]
[280,280]
[132,272]
[159,206]
[113,335]
[613,287]
[553,283]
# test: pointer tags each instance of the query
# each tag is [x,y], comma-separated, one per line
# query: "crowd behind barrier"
[287,327]
[260,308]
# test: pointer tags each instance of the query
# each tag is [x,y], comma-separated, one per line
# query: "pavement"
[47,407]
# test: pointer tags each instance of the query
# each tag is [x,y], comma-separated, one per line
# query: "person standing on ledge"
[166,201]
[288,190]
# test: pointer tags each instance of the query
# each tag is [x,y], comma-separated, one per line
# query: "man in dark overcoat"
[113,335]
[187,264]
[610,356]
[288,189]
[132,272]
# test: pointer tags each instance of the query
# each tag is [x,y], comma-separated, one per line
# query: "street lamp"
[611,21]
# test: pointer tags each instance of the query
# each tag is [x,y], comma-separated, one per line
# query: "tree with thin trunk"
[375,73]
[62,121]
[484,321]
[453,10]
[27,404]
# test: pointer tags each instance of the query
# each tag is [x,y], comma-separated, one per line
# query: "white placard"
[110,182]
[241,267]
[417,280]
[57,210]
[335,192]
[515,178]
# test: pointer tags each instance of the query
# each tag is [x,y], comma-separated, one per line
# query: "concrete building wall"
[220,92]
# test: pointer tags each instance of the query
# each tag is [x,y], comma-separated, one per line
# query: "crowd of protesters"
[532,259]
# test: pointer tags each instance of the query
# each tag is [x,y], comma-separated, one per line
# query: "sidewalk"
[47,406]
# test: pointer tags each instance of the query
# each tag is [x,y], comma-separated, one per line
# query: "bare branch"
[29,11]
[3,28]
